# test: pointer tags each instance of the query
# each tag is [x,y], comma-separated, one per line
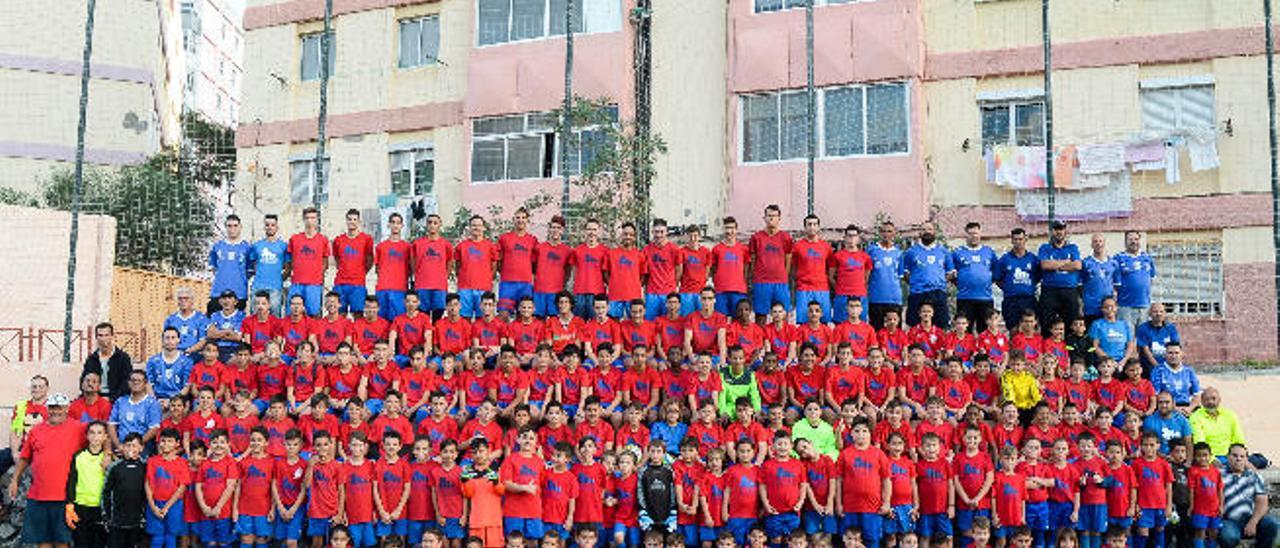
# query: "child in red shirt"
[1008,496]
[903,498]
[168,477]
[892,339]
[1120,486]
[742,493]
[1153,478]
[391,485]
[621,496]
[520,475]
[288,493]
[199,426]
[241,423]
[936,492]
[252,506]
[783,481]
[592,477]
[355,492]
[1064,494]
[953,389]
[324,475]
[446,493]
[277,423]
[559,492]
[879,382]
[820,497]
[216,482]
[864,484]
[973,475]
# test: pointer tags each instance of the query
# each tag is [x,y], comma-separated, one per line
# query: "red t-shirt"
[705,331]
[818,335]
[592,483]
[859,334]
[713,487]
[1010,495]
[260,331]
[447,485]
[601,432]
[588,268]
[202,374]
[627,511]
[984,390]
[522,470]
[805,386]
[420,507]
[636,334]
[862,473]
[933,480]
[357,479]
[1030,345]
[323,492]
[309,425]
[971,472]
[879,385]
[562,333]
[1206,484]
[294,331]
[308,257]
[288,478]
[743,483]
[255,485]
[330,332]
[749,336]
[276,429]
[516,251]
[1118,491]
[625,266]
[438,430]
[214,477]
[238,429]
[932,338]
[475,264]
[709,436]
[660,265]
[392,479]
[852,268]
[694,264]
[1153,478]
[688,478]
[819,473]
[271,380]
[452,336]
[955,393]
[917,383]
[201,427]
[1066,481]
[1037,470]
[551,261]
[99,410]
[769,257]
[431,263]
[488,332]
[1092,492]
[811,259]
[365,333]
[844,383]
[476,387]
[392,258]
[525,336]
[730,263]
[902,475]
[597,332]
[557,490]
[343,385]
[670,331]
[354,255]
[165,477]
[782,480]
[510,384]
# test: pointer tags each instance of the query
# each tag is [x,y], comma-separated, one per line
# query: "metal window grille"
[1018,123]
[851,120]
[419,41]
[310,58]
[1178,108]
[1188,277]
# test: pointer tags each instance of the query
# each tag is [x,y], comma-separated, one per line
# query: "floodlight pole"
[1048,112]
[77,187]
[566,124]
[811,106]
[1275,175]
[322,117]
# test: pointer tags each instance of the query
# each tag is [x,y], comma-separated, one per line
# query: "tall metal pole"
[642,16]
[810,101]
[1275,175]
[77,187]
[1048,112]
[322,118]
[566,130]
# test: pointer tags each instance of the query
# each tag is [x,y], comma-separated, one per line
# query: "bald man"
[1214,424]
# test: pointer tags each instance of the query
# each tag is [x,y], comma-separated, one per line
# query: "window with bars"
[1189,277]
[527,146]
[852,121]
[419,41]
[310,62]
[413,172]
[1177,108]
[1018,123]
[765,6]
[501,21]
[305,188]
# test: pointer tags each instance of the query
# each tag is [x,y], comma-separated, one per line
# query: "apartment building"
[213,39]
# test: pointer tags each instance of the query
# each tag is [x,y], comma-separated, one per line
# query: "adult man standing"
[850,269]
[516,254]
[770,264]
[48,450]
[1154,338]
[551,263]
[229,259]
[307,256]
[191,324]
[1017,273]
[1177,379]
[1215,425]
[1134,271]
[432,256]
[392,259]
[353,251]
[475,257]
[1167,423]
[138,412]
[588,262]
[625,268]
[884,288]
[811,255]
[266,260]
[973,270]
[662,260]
[109,361]
[1060,284]
[925,267]
[1244,503]
[1098,273]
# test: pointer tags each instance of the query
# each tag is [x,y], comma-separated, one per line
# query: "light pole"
[77,187]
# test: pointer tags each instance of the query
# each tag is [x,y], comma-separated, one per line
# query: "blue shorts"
[619,309]
[431,300]
[932,524]
[584,305]
[548,527]
[362,534]
[351,298]
[803,298]
[900,522]
[290,529]
[1006,531]
[655,304]
[312,297]
[173,524]
[871,525]
[374,406]
[45,522]
[690,534]
[510,293]
[815,523]
[453,529]
[391,304]
[396,527]
[764,295]
[1038,516]
[544,305]
[530,527]
[689,304]
[781,525]
[1093,518]
[630,535]
[964,519]
[1205,522]
[318,527]
[222,531]
[1059,515]
[740,527]
[470,301]
[1151,519]
[417,529]
[708,534]
[1123,523]
[257,526]
[726,303]
[840,308]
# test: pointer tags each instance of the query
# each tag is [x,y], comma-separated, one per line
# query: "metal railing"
[41,344]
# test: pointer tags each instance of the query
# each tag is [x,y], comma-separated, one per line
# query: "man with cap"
[224,326]
[47,451]
[1060,282]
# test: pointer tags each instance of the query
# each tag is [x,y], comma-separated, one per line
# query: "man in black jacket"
[110,362]
[124,496]
[657,496]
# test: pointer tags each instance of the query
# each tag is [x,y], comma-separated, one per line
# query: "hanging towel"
[989,162]
[1172,171]
[1144,153]
[1202,147]
[1019,167]
[1064,166]
[1106,158]
[1094,180]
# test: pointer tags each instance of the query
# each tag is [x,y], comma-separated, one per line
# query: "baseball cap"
[1058,225]
[227,293]
[57,399]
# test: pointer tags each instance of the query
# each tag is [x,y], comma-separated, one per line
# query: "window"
[1018,123]
[1177,108]
[764,6]
[419,41]
[1189,277]
[304,187]
[852,120]
[413,172]
[311,55]
[502,21]
[526,146]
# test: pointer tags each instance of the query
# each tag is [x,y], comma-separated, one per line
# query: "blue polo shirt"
[1018,276]
[1058,278]
[1172,428]
[168,378]
[1112,336]
[885,285]
[928,267]
[267,261]
[1133,279]
[1156,339]
[1182,384]
[1099,282]
[190,329]
[130,417]
[975,270]
[225,322]
[230,264]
